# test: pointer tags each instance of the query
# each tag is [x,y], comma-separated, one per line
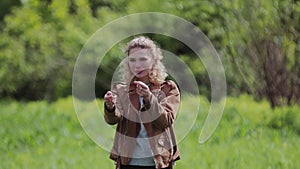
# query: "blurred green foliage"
[258,43]
[6,7]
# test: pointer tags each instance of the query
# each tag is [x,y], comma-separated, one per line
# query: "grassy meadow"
[250,135]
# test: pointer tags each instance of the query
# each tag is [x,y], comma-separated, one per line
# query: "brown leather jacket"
[157,115]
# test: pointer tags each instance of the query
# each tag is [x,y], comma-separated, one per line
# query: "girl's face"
[140,62]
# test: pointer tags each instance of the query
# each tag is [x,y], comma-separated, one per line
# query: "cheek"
[131,66]
[148,64]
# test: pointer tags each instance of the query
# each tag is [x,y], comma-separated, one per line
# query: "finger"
[106,96]
[114,99]
[139,92]
[108,99]
[138,88]
[140,83]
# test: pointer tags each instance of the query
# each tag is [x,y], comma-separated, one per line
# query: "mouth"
[139,72]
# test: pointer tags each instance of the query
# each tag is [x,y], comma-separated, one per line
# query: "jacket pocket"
[163,144]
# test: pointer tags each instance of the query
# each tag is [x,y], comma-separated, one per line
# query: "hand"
[142,89]
[110,99]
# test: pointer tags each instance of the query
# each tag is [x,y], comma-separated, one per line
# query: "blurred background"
[258,43]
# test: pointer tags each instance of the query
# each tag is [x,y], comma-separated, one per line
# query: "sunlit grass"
[250,135]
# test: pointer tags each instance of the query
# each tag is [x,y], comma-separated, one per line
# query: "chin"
[141,76]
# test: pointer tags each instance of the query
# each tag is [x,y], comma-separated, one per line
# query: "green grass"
[250,135]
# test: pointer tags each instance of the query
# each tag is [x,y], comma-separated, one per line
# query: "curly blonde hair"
[158,71]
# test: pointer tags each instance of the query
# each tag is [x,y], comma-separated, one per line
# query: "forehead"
[138,52]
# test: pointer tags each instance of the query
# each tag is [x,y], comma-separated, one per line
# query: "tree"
[39,47]
[258,42]
[262,44]
[6,6]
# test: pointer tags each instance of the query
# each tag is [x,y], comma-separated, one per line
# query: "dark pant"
[138,167]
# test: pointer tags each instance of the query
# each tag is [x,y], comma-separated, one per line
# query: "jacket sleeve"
[113,116]
[162,113]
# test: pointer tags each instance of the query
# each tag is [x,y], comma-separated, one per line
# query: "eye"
[131,60]
[144,59]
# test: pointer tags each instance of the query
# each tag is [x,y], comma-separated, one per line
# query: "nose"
[137,64]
